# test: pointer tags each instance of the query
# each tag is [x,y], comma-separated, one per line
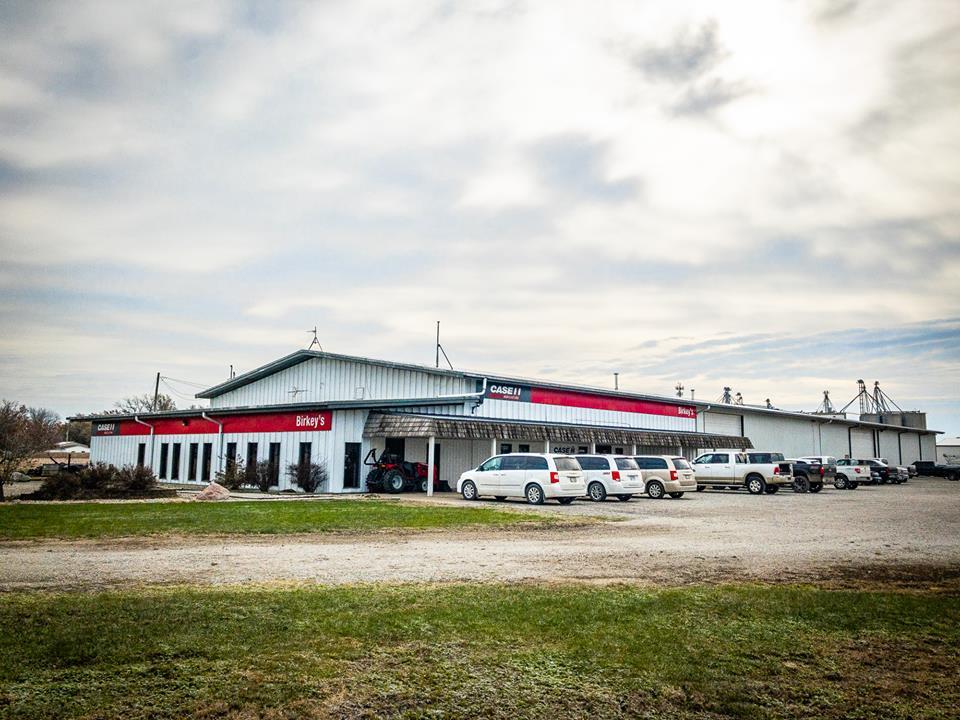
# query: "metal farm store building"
[332,409]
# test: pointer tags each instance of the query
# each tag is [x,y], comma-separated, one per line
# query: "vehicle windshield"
[566,463]
[681,464]
[627,464]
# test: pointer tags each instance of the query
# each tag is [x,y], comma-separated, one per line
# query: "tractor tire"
[655,490]
[597,492]
[422,485]
[469,491]
[756,485]
[394,481]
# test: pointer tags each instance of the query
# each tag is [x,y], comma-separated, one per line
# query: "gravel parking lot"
[889,533]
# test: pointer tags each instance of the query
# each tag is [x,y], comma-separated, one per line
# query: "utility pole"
[156,392]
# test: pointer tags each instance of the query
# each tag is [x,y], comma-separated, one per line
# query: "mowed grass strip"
[101,520]
[480,651]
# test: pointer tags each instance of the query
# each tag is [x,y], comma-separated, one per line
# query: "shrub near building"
[101,481]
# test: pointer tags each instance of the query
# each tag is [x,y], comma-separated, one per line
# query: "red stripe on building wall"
[546,396]
[254,423]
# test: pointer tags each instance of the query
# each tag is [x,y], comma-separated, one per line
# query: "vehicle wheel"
[840,482]
[565,501]
[852,485]
[756,485]
[422,484]
[801,484]
[676,495]
[655,489]
[597,492]
[469,490]
[501,498]
[817,487]
[624,498]
[534,494]
[701,488]
[772,489]
[394,481]
[953,476]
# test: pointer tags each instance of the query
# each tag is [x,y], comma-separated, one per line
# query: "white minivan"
[534,476]
[611,475]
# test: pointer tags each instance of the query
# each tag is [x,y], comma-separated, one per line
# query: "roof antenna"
[679,389]
[315,340]
[616,381]
[440,349]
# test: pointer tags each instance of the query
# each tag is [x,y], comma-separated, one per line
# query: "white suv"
[610,475]
[534,476]
[666,475]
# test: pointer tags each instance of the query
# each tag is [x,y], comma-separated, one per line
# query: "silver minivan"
[667,475]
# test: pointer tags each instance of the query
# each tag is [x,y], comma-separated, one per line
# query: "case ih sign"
[567,398]
[253,423]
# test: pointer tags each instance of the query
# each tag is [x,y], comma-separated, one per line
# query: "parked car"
[810,474]
[610,475]
[851,472]
[899,473]
[928,467]
[666,475]
[759,472]
[912,470]
[534,476]
[884,473]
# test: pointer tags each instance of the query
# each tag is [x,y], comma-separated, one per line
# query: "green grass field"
[480,651]
[97,520]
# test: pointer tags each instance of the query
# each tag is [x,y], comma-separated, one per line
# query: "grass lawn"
[480,651]
[97,520]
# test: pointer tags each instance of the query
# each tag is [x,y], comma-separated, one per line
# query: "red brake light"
[822,469]
[615,475]
[673,474]
[856,470]
[776,470]
[554,477]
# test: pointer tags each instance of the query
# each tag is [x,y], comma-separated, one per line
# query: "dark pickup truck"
[927,467]
[811,474]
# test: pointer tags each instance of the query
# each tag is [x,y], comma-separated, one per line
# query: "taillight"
[615,475]
[673,474]
[554,477]
[857,470]
[776,470]
[822,470]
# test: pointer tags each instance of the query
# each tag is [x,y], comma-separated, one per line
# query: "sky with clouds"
[764,195]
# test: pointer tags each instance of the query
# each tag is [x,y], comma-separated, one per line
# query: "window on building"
[192,462]
[274,463]
[583,449]
[251,462]
[506,448]
[604,450]
[164,454]
[351,465]
[141,454]
[175,463]
[207,461]
[523,448]
[231,459]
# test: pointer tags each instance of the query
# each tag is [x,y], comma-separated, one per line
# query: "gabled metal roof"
[457,427]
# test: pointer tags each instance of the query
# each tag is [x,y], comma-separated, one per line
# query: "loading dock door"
[721,424]
[861,442]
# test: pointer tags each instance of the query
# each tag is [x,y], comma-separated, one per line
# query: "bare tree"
[24,432]
[143,403]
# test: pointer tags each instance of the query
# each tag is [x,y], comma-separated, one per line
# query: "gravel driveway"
[886,531]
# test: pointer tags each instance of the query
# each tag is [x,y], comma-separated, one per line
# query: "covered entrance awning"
[399,424]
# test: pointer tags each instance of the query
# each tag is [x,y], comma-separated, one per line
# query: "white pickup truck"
[759,472]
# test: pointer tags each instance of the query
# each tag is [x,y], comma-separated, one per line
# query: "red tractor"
[391,474]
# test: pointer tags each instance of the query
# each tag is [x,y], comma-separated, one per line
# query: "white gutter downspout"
[219,440]
[479,395]
[136,418]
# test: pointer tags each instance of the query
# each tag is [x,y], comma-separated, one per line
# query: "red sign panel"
[313,421]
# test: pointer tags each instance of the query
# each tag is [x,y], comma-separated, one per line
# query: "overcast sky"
[764,195]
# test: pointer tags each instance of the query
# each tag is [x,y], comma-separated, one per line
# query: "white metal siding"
[861,440]
[833,440]
[889,447]
[910,446]
[722,424]
[512,410]
[794,437]
[929,446]
[326,379]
